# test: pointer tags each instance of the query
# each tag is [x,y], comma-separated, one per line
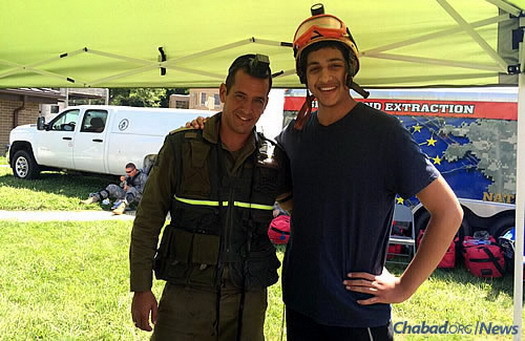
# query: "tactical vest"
[220,220]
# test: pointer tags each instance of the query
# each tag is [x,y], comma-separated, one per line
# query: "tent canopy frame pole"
[472,33]
[520,195]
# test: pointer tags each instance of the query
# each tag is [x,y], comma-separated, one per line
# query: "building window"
[217,99]
[181,104]
[203,98]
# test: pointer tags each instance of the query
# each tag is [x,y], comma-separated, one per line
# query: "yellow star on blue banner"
[431,142]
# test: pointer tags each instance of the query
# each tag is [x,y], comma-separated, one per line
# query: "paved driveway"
[64,215]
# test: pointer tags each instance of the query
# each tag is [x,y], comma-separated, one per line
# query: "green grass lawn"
[53,191]
[69,280]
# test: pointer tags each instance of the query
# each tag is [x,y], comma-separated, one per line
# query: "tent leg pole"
[520,210]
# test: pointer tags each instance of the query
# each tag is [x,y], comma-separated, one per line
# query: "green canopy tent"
[186,43]
[116,43]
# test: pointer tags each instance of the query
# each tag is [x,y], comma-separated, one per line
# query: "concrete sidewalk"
[64,215]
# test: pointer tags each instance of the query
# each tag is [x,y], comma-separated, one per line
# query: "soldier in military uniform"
[219,186]
[128,192]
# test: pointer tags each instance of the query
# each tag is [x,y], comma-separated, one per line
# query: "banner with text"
[471,109]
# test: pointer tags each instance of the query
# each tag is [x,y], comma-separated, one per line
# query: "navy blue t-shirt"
[345,177]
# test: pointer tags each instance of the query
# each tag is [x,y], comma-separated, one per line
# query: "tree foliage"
[137,97]
[142,97]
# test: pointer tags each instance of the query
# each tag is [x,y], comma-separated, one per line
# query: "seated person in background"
[129,191]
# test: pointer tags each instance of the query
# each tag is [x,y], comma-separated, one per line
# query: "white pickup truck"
[97,139]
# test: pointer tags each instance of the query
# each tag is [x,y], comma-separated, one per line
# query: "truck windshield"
[65,121]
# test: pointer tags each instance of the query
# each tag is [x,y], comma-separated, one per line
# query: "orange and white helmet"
[323,27]
[319,28]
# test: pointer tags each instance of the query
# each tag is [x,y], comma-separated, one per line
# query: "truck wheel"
[24,165]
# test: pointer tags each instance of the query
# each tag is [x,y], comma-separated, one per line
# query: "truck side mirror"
[40,123]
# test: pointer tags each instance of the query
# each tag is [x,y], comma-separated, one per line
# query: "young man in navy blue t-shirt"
[348,162]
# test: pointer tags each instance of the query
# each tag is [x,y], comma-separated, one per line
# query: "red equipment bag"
[279,229]
[449,258]
[394,249]
[483,257]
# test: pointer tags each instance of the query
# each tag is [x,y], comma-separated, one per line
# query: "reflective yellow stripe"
[224,203]
[201,202]
[254,206]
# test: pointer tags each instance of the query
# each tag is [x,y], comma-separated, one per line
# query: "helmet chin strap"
[359,90]
[305,111]
[356,87]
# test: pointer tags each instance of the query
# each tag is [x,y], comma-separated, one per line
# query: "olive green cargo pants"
[187,313]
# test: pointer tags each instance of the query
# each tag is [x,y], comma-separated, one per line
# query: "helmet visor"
[320,26]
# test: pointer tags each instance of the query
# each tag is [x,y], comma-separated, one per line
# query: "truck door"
[90,141]
[55,145]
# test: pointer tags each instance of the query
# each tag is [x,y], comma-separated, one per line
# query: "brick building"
[22,106]
[179,101]
[205,99]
